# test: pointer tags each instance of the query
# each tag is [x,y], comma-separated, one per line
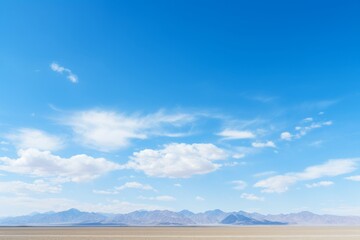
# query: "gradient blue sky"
[123,105]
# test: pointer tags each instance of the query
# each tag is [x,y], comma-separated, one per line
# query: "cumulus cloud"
[109,130]
[164,198]
[332,168]
[62,70]
[354,178]
[230,134]
[239,185]
[178,160]
[320,184]
[21,188]
[38,163]
[251,197]
[34,138]
[268,144]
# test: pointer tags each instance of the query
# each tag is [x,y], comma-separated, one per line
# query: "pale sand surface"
[167,233]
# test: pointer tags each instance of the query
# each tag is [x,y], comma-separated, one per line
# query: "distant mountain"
[71,216]
[151,218]
[74,217]
[309,218]
[239,219]
[206,218]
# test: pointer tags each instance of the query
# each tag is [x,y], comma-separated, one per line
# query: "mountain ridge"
[75,217]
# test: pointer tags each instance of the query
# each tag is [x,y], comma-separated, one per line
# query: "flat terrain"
[171,233]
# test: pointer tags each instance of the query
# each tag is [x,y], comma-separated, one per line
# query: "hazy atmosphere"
[117,106]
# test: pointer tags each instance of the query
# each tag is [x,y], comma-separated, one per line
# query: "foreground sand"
[167,233]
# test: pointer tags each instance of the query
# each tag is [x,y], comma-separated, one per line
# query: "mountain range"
[74,217]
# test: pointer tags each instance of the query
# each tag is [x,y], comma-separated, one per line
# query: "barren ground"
[167,233]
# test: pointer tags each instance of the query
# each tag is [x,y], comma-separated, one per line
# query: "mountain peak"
[186,213]
[215,211]
[72,210]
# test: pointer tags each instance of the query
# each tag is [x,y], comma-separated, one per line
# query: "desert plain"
[171,233]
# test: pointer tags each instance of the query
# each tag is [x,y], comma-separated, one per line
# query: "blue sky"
[126,105]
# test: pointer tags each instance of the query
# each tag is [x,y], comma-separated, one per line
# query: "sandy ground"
[171,233]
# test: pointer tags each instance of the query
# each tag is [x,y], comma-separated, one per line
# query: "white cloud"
[34,138]
[270,144]
[239,185]
[59,69]
[163,198]
[135,185]
[238,155]
[301,131]
[200,199]
[128,185]
[286,136]
[38,163]
[279,183]
[21,188]
[354,178]
[262,174]
[178,160]
[332,168]
[177,185]
[320,184]
[105,192]
[233,164]
[251,197]
[235,134]
[108,130]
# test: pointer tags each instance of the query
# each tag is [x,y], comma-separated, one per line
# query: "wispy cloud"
[251,197]
[307,126]
[163,198]
[128,185]
[320,184]
[268,144]
[22,188]
[198,198]
[110,130]
[33,138]
[354,178]
[230,134]
[62,70]
[332,168]
[239,184]
[318,105]
[135,185]
[263,174]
